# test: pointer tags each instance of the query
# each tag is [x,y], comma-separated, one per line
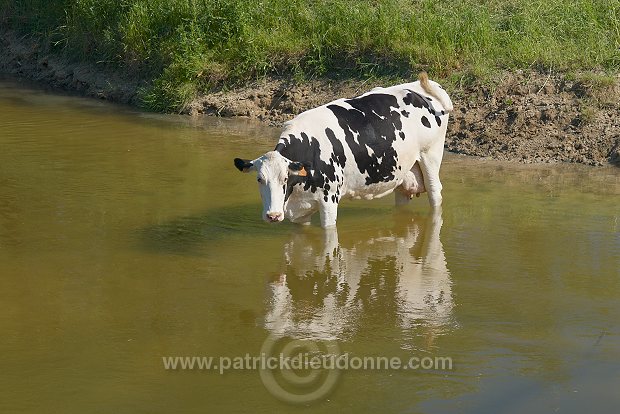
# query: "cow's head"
[272,173]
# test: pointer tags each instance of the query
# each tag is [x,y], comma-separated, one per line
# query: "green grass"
[189,46]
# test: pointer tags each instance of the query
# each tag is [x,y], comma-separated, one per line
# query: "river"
[127,238]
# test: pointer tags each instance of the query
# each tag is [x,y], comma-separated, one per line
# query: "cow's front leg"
[329,213]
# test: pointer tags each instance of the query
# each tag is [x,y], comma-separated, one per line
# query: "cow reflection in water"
[329,287]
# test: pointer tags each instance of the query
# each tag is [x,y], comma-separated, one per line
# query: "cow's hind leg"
[430,163]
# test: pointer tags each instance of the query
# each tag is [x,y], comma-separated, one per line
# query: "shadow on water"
[330,285]
[190,234]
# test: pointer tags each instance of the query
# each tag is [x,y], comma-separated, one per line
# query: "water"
[127,237]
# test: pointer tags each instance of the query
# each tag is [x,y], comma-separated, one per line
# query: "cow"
[386,140]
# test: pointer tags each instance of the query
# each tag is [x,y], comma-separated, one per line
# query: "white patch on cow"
[325,151]
[379,116]
[356,136]
[348,106]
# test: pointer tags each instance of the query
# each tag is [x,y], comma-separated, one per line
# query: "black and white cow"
[366,147]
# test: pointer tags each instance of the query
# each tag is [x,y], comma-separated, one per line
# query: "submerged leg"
[329,213]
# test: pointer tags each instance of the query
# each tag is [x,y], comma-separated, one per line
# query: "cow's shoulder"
[322,154]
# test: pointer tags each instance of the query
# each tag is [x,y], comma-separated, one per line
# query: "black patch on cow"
[405,113]
[420,101]
[375,123]
[438,120]
[337,156]
[425,122]
[280,147]
[415,99]
[402,135]
[307,150]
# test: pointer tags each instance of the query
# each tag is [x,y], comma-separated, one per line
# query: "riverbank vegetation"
[186,47]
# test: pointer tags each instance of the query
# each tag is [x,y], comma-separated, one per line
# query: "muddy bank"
[525,116]
[26,58]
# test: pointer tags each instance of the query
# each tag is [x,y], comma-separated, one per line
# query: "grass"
[185,47]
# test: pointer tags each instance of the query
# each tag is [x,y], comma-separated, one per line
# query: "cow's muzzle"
[274,217]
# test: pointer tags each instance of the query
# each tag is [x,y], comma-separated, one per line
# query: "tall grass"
[189,46]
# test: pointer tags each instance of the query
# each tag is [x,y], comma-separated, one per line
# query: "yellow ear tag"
[302,172]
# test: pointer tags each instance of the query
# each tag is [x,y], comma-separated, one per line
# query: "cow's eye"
[260,180]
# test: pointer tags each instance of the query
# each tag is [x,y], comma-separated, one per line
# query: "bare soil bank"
[527,116]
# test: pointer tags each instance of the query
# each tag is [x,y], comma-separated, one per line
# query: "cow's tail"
[436,91]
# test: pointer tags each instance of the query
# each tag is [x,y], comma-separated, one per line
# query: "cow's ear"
[298,168]
[243,165]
